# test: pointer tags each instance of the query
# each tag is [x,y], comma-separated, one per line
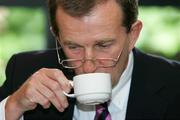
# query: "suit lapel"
[144,98]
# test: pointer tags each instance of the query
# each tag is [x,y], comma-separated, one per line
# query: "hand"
[44,87]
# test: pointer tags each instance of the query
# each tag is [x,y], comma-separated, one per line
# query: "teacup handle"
[70,95]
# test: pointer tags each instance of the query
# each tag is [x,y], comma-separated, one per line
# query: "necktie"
[102,112]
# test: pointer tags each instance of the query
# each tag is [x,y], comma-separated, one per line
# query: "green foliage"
[22,21]
[23,30]
[161,31]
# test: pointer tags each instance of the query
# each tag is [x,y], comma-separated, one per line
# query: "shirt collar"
[120,92]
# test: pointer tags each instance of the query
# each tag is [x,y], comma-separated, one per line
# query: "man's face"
[99,34]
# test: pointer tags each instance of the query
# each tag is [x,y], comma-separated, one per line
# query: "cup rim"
[92,93]
[98,73]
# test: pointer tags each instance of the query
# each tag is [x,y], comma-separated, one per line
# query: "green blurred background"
[24,29]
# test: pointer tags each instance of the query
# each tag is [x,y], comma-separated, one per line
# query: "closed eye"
[106,44]
[73,46]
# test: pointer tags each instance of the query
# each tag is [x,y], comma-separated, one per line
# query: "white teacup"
[91,88]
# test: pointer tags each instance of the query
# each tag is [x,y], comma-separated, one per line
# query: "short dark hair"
[78,8]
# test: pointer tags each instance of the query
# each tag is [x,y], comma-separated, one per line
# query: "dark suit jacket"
[154,92]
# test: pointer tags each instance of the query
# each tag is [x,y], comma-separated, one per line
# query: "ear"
[134,34]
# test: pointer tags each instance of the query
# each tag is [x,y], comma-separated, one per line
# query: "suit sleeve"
[7,87]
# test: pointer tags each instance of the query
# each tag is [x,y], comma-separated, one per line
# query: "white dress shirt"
[117,106]
[2,111]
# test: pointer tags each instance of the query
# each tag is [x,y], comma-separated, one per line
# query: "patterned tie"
[102,112]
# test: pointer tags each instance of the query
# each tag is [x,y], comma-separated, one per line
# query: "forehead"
[105,16]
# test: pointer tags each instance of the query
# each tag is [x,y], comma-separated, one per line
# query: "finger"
[40,99]
[33,96]
[33,93]
[51,96]
[59,76]
[55,87]
[45,76]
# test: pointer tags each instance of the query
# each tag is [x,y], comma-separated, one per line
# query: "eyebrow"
[70,42]
[105,40]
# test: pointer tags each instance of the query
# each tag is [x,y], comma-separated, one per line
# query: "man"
[89,31]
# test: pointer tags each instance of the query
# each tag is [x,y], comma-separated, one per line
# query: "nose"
[89,66]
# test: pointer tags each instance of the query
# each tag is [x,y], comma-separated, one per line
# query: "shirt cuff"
[2,110]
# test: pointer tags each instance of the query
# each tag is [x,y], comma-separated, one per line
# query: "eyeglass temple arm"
[57,52]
